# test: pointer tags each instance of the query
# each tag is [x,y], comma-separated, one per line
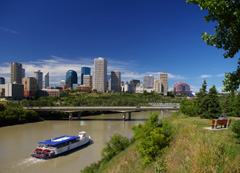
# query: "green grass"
[193,149]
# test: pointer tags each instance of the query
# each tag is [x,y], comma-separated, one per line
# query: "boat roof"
[59,140]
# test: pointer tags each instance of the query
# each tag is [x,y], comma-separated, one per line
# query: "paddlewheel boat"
[56,146]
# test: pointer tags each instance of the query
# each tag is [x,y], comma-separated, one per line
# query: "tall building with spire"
[16,73]
[100,77]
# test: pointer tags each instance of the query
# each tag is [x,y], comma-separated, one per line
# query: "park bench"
[223,122]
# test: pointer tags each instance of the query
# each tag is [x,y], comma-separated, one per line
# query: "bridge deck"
[101,108]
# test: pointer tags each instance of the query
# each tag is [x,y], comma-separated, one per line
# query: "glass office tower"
[71,78]
[85,71]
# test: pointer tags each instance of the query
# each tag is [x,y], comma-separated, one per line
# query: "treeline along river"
[19,141]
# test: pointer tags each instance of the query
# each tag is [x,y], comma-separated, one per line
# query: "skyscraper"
[46,80]
[71,78]
[148,81]
[115,81]
[85,71]
[16,73]
[2,80]
[87,80]
[23,73]
[30,86]
[39,76]
[163,77]
[100,77]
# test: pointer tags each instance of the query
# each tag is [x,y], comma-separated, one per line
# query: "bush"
[115,145]
[154,137]
[236,127]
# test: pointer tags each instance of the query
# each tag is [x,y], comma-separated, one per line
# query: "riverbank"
[193,149]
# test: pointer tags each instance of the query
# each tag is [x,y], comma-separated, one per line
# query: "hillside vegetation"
[192,149]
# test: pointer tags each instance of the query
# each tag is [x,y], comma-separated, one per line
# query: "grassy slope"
[193,149]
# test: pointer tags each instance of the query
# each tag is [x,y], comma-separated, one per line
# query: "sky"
[136,37]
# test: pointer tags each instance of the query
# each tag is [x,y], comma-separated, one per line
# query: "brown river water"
[19,141]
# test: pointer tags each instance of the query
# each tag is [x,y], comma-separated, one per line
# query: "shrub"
[154,137]
[236,127]
[115,145]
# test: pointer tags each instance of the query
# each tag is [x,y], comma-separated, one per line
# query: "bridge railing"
[165,104]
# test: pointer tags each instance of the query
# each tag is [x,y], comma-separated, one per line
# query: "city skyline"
[148,38]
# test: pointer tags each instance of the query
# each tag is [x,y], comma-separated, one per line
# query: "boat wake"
[29,161]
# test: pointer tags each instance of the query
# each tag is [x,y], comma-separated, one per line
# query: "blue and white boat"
[53,147]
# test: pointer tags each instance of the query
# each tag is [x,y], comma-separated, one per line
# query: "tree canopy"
[227,36]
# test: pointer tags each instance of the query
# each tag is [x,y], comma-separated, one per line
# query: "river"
[19,141]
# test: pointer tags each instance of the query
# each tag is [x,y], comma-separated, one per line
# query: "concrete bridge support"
[79,115]
[161,115]
[129,115]
[124,116]
[70,116]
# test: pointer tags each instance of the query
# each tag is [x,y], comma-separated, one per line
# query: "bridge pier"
[79,115]
[124,116]
[70,116]
[161,115]
[129,115]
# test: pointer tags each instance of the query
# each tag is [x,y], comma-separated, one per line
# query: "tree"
[200,103]
[227,14]
[211,107]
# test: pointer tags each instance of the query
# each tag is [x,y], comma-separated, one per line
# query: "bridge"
[123,109]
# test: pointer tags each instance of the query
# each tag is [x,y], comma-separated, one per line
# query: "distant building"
[122,83]
[49,93]
[148,81]
[132,85]
[2,90]
[39,76]
[85,71]
[126,87]
[115,81]
[87,80]
[23,73]
[100,77]
[71,78]
[2,80]
[30,86]
[46,80]
[62,83]
[139,88]
[163,77]
[16,73]
[14,91]
[157,86]
[181,87]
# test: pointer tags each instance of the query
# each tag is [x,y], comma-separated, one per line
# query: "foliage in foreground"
[114,146]
[236,127]
[226,14]
[154,137]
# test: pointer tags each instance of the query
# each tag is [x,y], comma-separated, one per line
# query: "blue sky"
[136,37]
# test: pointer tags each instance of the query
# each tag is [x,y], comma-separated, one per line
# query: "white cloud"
[221,75]
[206,76]
[176,77]
[8,30]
